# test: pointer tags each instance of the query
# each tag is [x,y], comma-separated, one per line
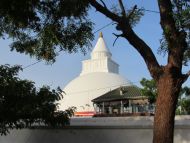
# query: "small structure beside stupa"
[123,101]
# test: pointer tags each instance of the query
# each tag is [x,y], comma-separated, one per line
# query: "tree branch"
[188,73]
[122,8]
[185,77]
[166,19]
[103,3]
[131,13]
[105,11]
[176,40]
[144,50]
[117,36]
[127,32]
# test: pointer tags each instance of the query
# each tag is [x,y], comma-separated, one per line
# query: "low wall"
[99,130]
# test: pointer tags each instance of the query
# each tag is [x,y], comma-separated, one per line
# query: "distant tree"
[22,105]
[149,89]
[185,106]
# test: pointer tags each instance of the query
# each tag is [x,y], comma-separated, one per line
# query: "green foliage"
[135,16]
[22,105]
[184,91]
[185,106]
[42,28]
[149,89]
[181,14]
[163,46]
[178,111]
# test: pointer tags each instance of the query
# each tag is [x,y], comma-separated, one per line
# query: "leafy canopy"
[181,15]
[149,89]
[42,28]
[185,106]
[22,105]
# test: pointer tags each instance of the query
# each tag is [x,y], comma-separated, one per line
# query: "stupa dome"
[98,76]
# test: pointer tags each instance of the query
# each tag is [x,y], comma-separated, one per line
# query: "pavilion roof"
[121,93]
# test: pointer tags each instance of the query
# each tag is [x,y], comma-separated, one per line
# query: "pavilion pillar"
[133,108]
[110,110]
[95,107]
[121,108]
[103,110]
[98,108]
[129,103]
[130,107]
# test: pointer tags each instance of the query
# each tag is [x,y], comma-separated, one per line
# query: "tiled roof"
[125,92]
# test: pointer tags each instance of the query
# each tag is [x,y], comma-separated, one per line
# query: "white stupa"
[98,76]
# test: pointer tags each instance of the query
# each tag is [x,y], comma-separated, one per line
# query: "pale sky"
[68,66]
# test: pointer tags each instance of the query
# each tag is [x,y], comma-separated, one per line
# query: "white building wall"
[99,130]
[91,66]
[96,65]
[113,66]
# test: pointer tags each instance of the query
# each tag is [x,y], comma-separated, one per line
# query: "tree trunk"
[168,90]
[169,78]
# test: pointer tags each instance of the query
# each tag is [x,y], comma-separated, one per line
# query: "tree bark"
[169,78]
[168,90]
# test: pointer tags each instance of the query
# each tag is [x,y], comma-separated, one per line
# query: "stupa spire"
[100,59]
[100,50]
[100,34]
